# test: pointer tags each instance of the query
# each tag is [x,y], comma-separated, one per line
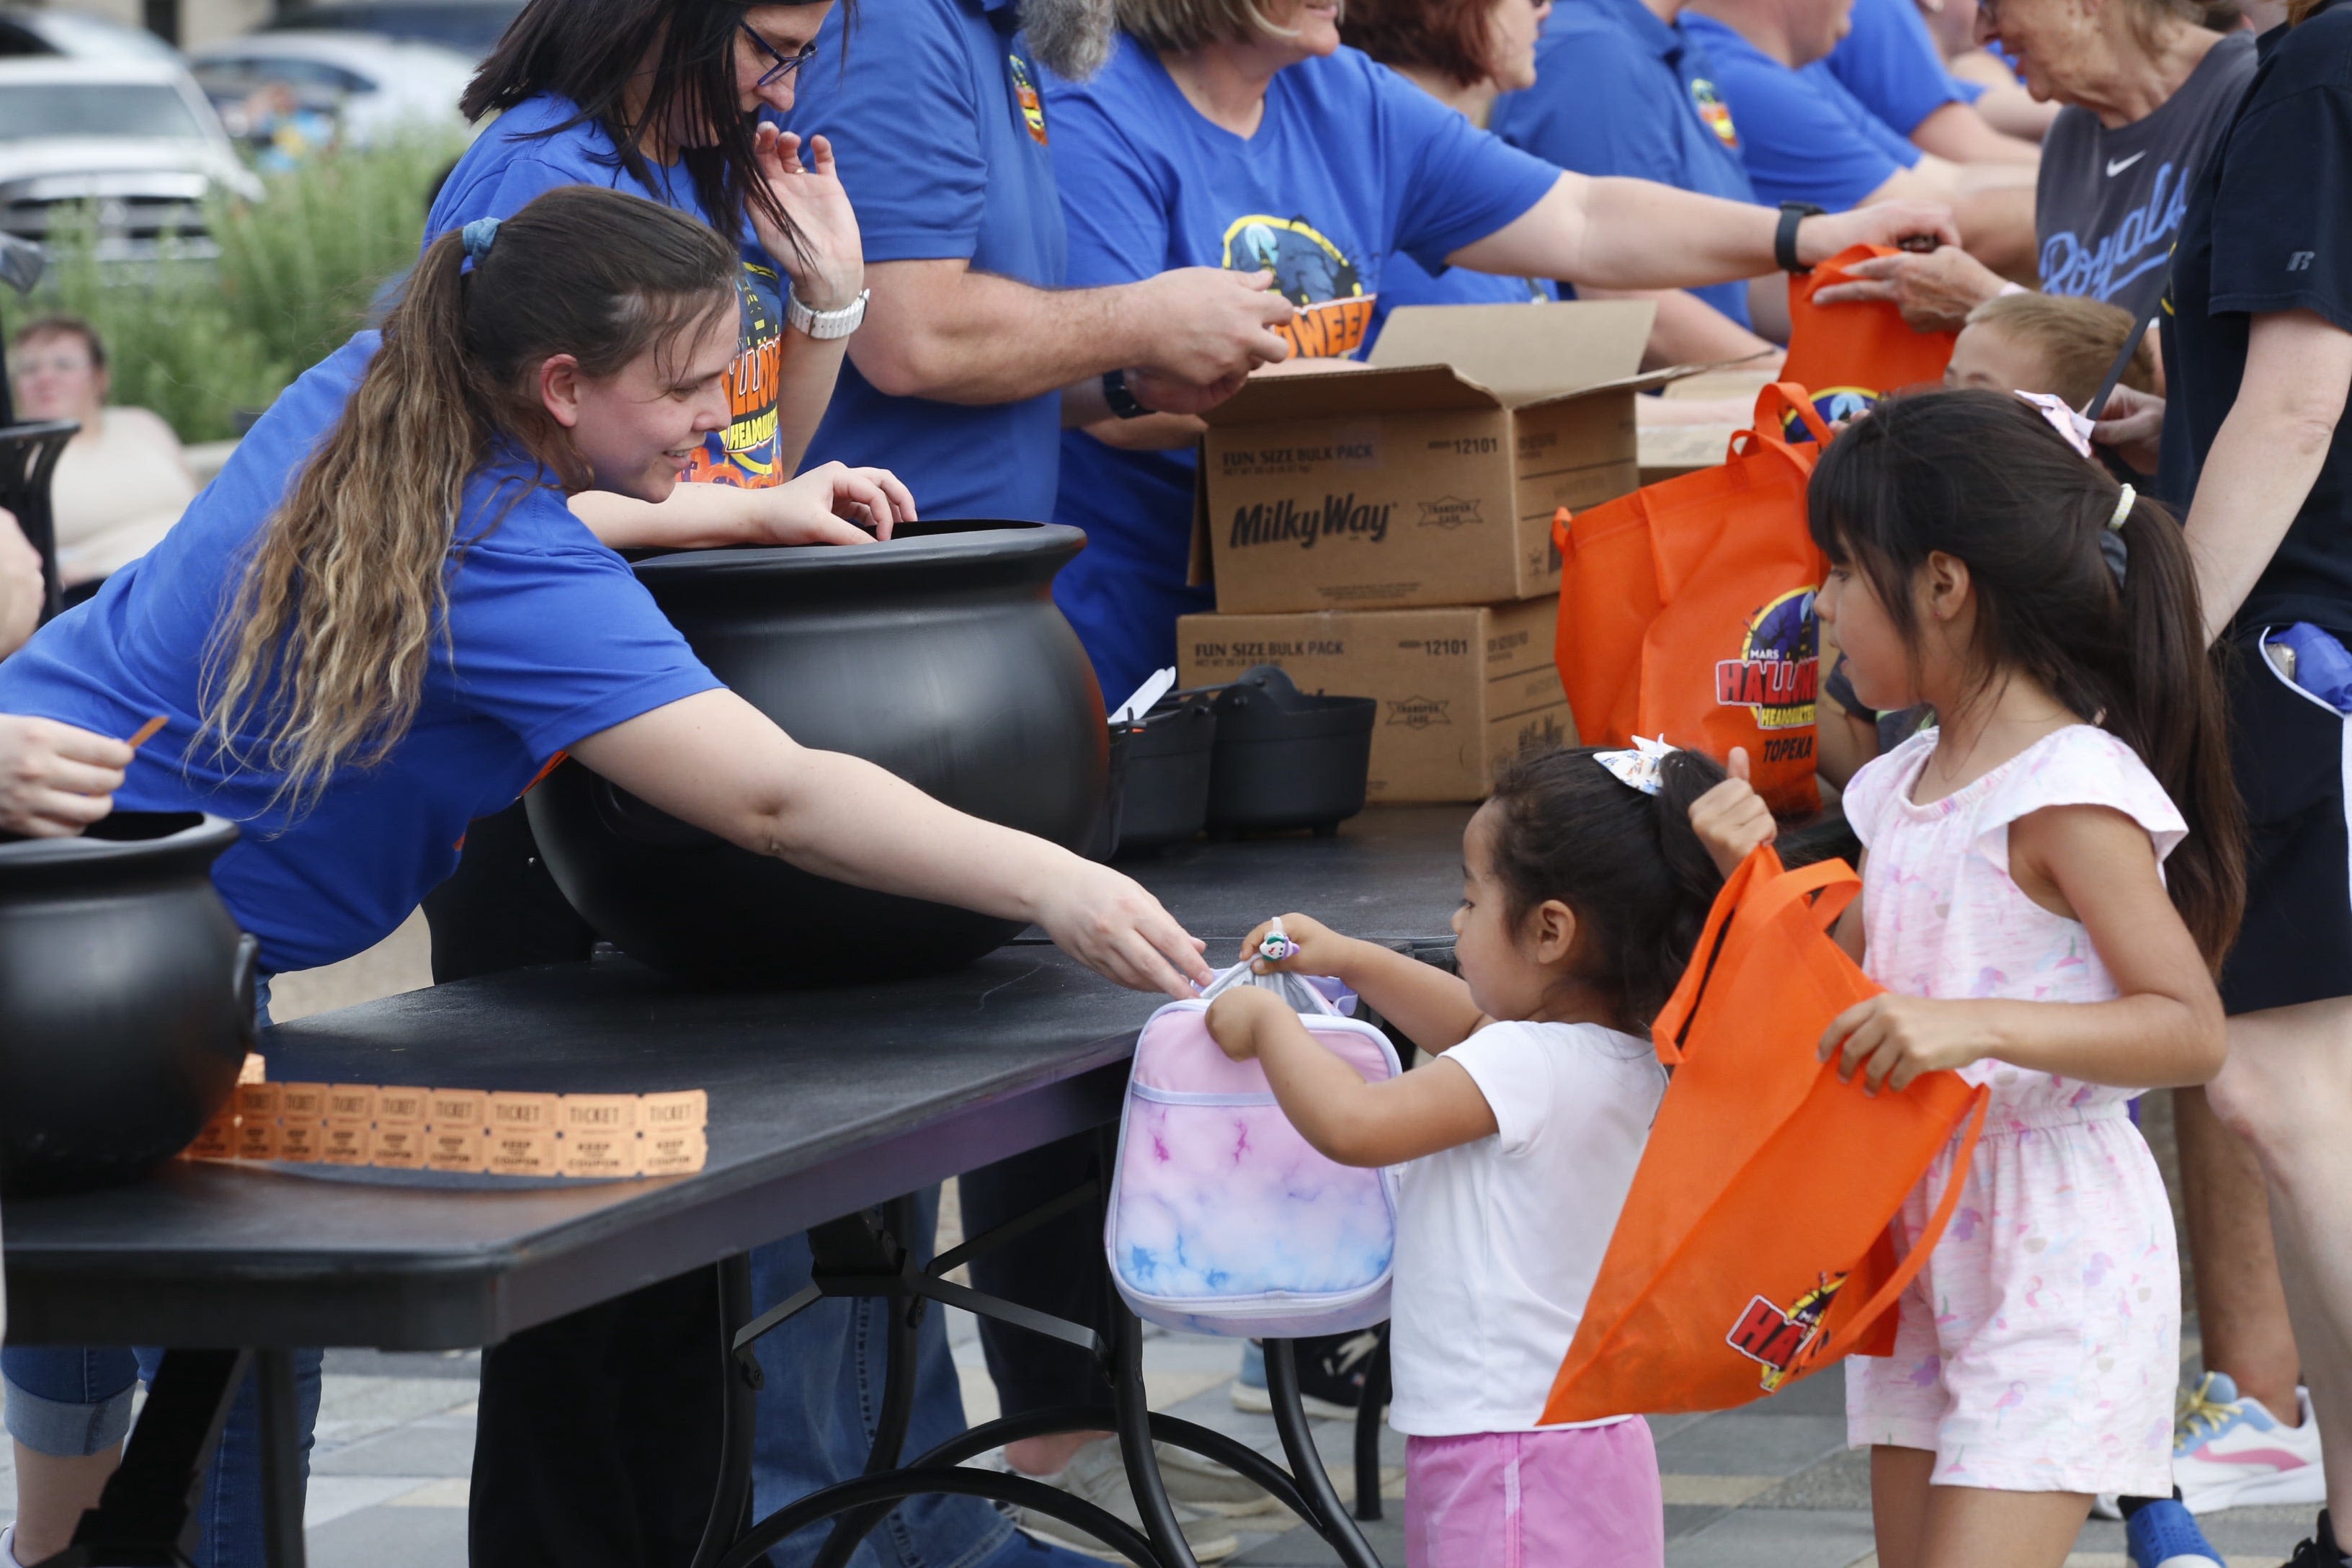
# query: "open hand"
[831,504]
[1235,1017]
[56,780]
[1732,819]
[1935,290]
[828,267]
[1109,923]
[1891,1040]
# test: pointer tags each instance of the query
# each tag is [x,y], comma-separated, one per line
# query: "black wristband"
[1122,401]
[1784,238]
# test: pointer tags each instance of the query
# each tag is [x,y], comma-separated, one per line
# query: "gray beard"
[1072,39]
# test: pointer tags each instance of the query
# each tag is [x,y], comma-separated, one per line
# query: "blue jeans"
[824,1372]
[71,1402]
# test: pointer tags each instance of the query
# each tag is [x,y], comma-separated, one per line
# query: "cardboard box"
[1431,478]
[1460,690]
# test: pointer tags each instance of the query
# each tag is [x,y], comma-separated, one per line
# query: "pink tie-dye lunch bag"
[1223,1219]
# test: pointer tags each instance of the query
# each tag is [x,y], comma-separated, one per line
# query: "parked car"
[25,31]
[372,85]
[470,26]
[136,138]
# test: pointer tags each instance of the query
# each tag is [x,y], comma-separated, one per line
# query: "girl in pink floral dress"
[2049,879]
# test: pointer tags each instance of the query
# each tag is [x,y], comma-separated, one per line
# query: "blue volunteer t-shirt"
[1404,281]
[1889,60]
[512,162]
[1802,135]
[948,152]
[1619,92]
[554,640]
[1349,163]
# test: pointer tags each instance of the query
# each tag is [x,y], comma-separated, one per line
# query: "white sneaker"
[8,1546]
[1198,1482]
[1097,1473]
[2230,1452]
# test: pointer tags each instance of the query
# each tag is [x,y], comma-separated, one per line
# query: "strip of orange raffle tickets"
[465,1130]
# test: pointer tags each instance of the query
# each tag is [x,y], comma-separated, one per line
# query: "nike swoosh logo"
[2117,165]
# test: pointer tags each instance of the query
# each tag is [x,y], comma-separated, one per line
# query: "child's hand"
[1731,818]
[1235,1018]
[1891,1040]
[1319,947]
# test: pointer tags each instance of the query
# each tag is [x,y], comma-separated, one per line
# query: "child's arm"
[2097,866]
[1431,1008]
[1347,1120]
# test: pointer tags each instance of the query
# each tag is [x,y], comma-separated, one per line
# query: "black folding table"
[824,1106]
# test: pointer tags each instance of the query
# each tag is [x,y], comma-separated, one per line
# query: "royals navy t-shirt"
[1889,61]
[2108,202]
[1350,162]
[1620,92]
[1803,136]
[2269,228]
[528,151]
[948,152]
[551,640]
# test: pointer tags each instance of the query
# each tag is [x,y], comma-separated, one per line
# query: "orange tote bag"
[1754,1247]
[1850,355]
[1686,609]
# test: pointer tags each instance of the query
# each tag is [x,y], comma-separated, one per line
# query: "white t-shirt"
[1499,1242]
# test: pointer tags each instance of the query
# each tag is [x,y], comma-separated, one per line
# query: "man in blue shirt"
[1889,61]
[957,383]
[1805,137]
[1622,90]
[945,146]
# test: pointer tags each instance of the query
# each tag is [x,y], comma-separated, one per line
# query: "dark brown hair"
[1982,477]
[2079,336]
[1453,37]
[1628,864]
[320,659]
[589,51]
[62,326]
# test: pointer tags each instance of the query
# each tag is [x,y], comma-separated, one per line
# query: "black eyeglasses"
[786,63]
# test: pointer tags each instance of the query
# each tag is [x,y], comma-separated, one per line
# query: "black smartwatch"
[1122,401]
[1784,238]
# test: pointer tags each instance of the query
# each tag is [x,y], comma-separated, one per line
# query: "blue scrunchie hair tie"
[477,236]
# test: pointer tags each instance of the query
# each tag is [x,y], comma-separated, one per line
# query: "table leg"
[897,1398]
[281,1461]
[147,1515]
[731,1508]
[1134,1409]
[1307,1461]
[1368,1413]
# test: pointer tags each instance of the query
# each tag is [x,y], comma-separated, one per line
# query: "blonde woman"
[382,620]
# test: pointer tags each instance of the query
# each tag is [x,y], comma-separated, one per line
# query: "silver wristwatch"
[824,325]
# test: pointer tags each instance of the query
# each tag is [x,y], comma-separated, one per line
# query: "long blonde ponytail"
[320,657]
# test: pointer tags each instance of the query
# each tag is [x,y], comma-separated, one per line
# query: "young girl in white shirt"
[1583,892]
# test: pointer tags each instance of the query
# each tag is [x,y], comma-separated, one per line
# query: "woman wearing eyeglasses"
[663,100]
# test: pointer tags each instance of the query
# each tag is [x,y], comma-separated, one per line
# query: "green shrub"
[198,340]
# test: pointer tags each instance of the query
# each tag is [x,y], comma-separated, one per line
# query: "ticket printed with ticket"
[469,1130]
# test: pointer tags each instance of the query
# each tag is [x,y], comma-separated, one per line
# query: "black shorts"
[2290,753]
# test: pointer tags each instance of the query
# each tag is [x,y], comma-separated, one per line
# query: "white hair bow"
[2062,419]
[1638,768]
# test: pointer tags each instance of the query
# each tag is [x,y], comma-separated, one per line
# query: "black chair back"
[28,460]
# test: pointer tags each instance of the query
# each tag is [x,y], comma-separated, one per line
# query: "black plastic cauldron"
[938,655]
[126,999]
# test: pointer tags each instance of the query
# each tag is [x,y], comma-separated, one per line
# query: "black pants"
[1058,1268]
[597,1446]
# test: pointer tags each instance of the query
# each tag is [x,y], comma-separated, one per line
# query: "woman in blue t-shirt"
[1239,133]
[383,621]
[665,101]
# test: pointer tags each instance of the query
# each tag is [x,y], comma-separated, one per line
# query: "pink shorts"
[1579,1496]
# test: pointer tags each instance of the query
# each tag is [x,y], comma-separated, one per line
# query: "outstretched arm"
[720,763]
[1634,234]
[1432,1007]
[1345,1119]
